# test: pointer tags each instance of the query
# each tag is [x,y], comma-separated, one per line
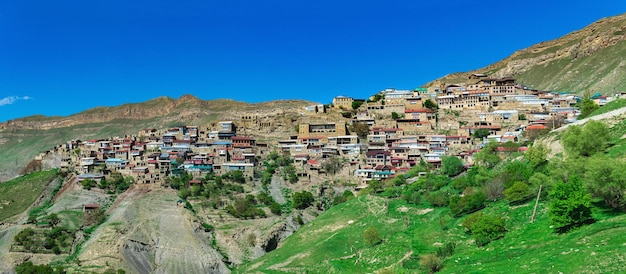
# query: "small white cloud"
[11,99]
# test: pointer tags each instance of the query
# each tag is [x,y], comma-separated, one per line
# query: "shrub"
[494,189]
[299,220]
[207,227]
[431,263]
[438,198]
[470,202]
[372,236]
[446,250]
[485,228]
[302,200]
[519,192]
[275,208]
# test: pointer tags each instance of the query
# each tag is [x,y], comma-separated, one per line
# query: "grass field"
[333,243]
[613,105]
[17,194]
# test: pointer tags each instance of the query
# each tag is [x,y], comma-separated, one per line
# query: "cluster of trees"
[245,208]
[116,184]
[250,206]
[54,241]
[302,199]
[585,173]
[276,162]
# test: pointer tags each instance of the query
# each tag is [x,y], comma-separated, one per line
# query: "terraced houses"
[390,147]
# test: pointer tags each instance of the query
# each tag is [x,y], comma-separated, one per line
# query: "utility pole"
[532,218]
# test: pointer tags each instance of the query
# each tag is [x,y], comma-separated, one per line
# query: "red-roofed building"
[377,157]
[243,141]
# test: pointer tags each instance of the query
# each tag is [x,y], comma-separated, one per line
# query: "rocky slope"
[581,61]
[149,233]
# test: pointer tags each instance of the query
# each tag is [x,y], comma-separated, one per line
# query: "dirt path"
[275,186]
[603,116]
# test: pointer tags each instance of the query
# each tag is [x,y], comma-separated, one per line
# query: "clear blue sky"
[62,57]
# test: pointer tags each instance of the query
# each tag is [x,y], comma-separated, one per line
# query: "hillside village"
[404,127]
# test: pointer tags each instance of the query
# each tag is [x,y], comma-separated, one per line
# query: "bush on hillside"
[470,202]
[605,178]
[485,228]
[451,165]
[570,205]
[372,236]
[518,193]
[431,263]
[302,200]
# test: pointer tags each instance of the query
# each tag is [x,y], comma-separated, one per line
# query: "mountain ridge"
[575,59]
[185,106]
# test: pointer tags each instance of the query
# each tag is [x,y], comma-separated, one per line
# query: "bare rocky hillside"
[581,61]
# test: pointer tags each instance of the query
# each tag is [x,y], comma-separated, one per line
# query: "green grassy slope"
[23,145]
[599,72]
[333,244]
[18,194]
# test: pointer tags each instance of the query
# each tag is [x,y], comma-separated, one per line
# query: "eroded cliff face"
[148,232]
[561,54]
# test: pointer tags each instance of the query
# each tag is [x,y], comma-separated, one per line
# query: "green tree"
[302,200]
[395,115]
[517,193]
[485,228]
[332,165]
[487,156]
[357,104]
[375,185]
[237,176]
[290,174]
[587,106]
[88,183]
[471,201]
[517,171]
[429,104]
[481,133]
[361,129]
[570,205]
[586,141]
[372,236]
[275,208]
[451,165]
[605,178]
[536,155]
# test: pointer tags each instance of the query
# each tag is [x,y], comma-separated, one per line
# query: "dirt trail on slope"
[604,116]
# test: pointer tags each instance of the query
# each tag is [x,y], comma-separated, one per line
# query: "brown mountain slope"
[22,139]
[587,60]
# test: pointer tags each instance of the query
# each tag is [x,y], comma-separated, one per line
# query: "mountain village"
[404,127]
